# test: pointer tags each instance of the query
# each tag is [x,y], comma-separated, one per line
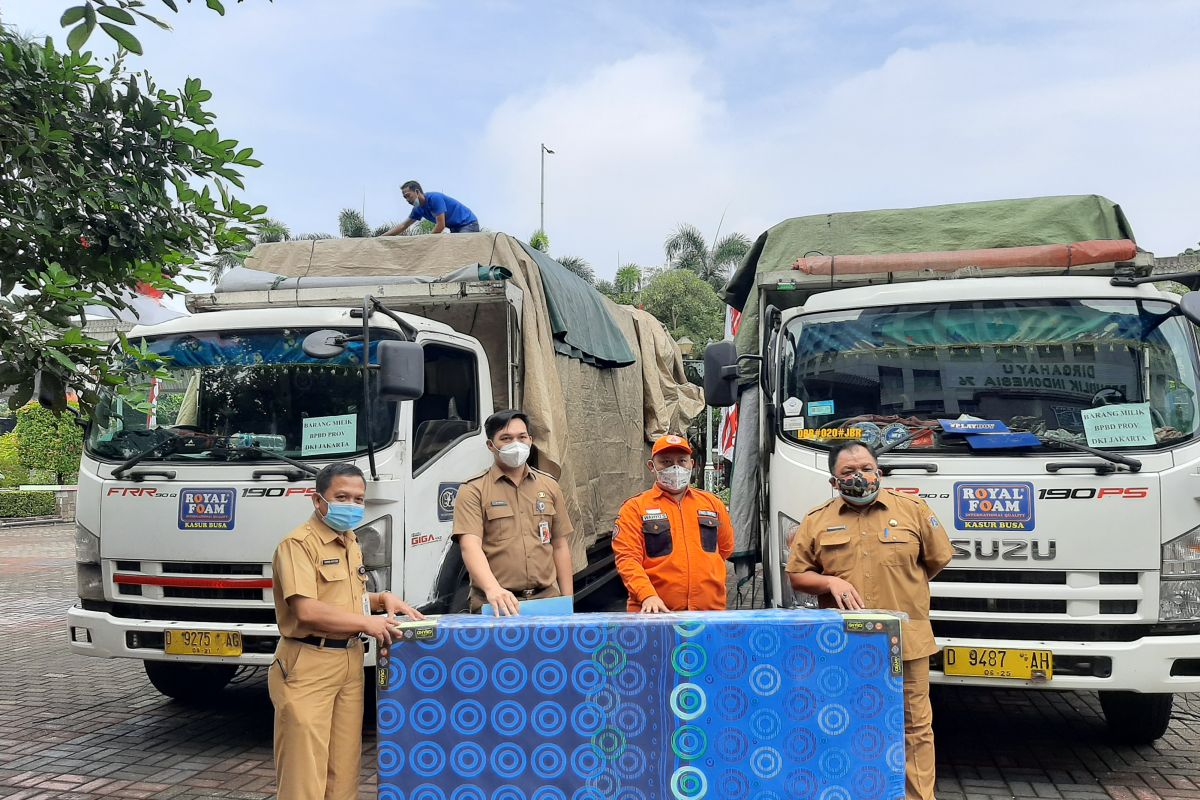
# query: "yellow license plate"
[202,643]
[986,662]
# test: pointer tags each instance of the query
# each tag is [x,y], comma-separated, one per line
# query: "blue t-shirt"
[436,203]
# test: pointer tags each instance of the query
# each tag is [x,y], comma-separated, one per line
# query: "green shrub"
[48,441]
[11,471]
[14,505]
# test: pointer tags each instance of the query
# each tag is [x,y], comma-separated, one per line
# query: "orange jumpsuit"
[676,550]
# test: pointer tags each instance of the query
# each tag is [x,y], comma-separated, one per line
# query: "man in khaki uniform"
[322,605]
[873,549]
[512,525]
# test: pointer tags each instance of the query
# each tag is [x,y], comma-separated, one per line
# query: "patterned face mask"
[859,489]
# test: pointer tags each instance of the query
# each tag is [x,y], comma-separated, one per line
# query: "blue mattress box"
[769,704]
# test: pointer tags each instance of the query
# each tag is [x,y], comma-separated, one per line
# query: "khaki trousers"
[318,698]
[920,773]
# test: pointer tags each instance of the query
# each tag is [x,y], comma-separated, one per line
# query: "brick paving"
[75,727]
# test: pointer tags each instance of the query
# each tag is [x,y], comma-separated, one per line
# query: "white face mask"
[514,455]
[674,479]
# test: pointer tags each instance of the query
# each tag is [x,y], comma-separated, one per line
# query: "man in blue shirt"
[440,209]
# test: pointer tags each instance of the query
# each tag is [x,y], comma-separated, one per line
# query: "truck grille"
[216,583]
[1018,597]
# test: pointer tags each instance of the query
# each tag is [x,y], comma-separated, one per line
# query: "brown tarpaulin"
[592,426]
[1048,255]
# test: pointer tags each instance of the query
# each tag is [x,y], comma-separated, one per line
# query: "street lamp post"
[542,211]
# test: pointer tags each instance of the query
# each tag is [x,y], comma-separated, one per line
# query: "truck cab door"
[447,445]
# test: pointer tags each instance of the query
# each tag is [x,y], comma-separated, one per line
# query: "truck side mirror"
[720,374]
[1189,304]
[401,370]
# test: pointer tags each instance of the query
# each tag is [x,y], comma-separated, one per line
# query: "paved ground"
[84,728]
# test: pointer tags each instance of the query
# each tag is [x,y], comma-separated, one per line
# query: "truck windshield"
[246,389]
[1045,366]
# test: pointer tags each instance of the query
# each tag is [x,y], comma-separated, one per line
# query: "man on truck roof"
[442,210]
[671,542]
[868,548]
[512,525]
[322,605]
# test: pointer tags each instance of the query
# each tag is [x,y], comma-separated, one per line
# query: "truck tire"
[189,683]
[1135,718]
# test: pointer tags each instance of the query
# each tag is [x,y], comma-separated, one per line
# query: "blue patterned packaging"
[771,705]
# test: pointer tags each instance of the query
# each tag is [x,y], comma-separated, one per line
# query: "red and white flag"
[727,434]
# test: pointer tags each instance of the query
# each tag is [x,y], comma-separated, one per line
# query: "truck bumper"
[1143,665]
[97,633]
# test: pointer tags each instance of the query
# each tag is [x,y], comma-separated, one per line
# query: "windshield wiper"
[309,469]
[125,466]
[1115,458]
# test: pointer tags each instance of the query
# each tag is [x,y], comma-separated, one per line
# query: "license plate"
[986,662]
[202,643]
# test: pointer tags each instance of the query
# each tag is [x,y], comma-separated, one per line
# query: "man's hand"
[654,605]
[845,595]
[393,606]
[380,628]
[503,602]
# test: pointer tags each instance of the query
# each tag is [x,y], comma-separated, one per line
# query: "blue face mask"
[342,516]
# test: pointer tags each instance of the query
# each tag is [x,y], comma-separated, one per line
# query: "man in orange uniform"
[671,542]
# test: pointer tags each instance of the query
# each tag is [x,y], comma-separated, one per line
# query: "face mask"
[858,490]
[342,516]
[514,455]
[674,479]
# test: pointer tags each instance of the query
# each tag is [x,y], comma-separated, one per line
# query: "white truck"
[1077,538]
[180,509]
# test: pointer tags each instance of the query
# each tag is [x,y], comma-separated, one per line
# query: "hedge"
[15,505]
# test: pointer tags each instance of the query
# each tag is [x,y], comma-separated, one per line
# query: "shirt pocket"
[708,533]
[500,522]
[898,547]
[837,554]
[657,533]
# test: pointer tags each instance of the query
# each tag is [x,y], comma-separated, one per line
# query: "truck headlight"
[90,581]
[375,541]
[1179,592]
[87,546]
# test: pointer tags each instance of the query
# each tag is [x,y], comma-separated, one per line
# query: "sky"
[727,116]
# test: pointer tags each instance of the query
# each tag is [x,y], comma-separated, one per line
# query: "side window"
[449,409]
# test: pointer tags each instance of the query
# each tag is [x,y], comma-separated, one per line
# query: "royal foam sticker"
[207,509]
[994,506]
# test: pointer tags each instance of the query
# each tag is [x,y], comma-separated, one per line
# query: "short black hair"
[499,421]
[413,185]
[337,470]
[842,447]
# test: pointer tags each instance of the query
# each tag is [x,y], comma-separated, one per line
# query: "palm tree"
[352,224]
[629,279]
[687,249]
[271,230]
[580,267]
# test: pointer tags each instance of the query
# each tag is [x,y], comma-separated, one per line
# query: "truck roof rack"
[396,296]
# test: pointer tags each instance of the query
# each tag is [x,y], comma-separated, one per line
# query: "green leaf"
[122,37]
[58,356]
[171,5]
[89,16]
[216,6]
[71,16]
[118,15]
[78,36]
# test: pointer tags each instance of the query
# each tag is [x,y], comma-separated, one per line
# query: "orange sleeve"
[629,551]
[724,531]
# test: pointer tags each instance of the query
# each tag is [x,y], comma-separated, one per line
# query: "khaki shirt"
[517,524]
[315,561]
[888,552]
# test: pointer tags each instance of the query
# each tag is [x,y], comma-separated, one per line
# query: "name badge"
[836,528]
[496,503]
[331,561]
[707,513]
[544,531]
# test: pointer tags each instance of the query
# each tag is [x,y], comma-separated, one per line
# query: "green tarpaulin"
[962,226]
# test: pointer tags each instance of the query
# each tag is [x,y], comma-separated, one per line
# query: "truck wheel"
[1135,718]
[189,683]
